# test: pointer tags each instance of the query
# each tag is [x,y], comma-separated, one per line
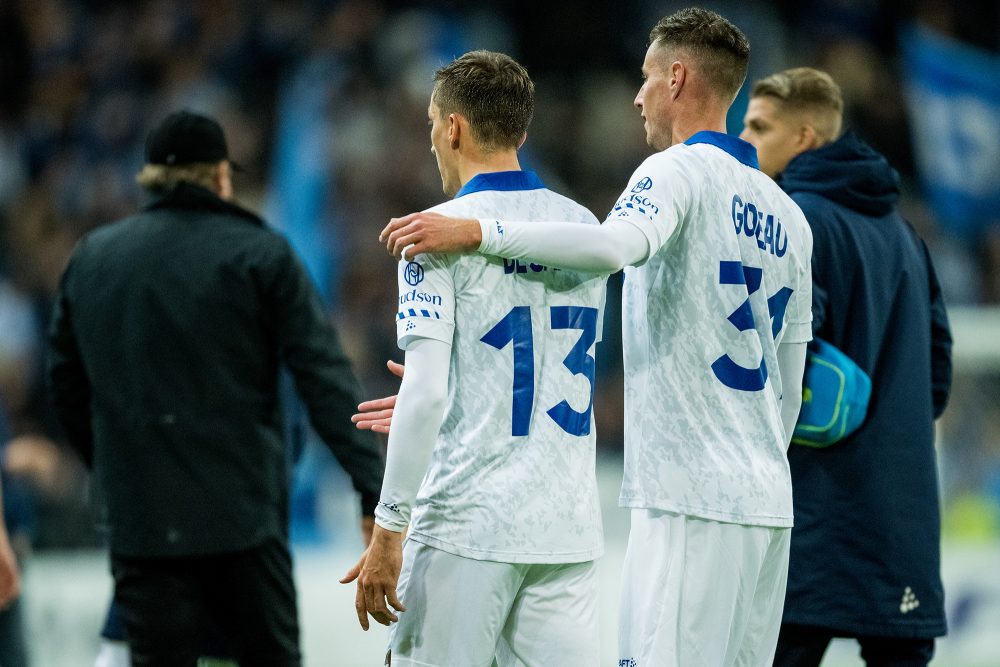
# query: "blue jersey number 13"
[515,328]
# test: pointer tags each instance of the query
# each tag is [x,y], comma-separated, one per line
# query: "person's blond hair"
[158,177]
[810,91]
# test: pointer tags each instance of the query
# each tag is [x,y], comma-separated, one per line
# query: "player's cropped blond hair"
[809,91]
[494,93]
[719,47]
[158,177]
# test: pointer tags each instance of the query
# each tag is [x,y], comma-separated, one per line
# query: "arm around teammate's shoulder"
[601,249]
[598,249]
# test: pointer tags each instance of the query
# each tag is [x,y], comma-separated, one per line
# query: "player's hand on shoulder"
[429,231]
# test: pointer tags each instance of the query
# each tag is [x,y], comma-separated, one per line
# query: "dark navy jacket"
[865,555]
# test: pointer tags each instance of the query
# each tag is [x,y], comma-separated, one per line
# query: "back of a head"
[808,91]
[185,147]
[721,49]
[493,92]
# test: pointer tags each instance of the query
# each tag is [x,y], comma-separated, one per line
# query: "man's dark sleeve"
[821,260]
[68,385]
[940,342]
[311,350]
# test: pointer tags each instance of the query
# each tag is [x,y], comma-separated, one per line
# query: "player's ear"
[808,138]
[678,75]
[454,130]
[524,137]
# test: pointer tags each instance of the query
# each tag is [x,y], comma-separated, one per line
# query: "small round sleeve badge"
[413,273]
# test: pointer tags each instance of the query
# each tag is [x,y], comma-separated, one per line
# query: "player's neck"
[700,120]
[470,166]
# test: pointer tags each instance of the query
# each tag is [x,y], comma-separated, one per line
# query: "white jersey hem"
[547,558]
[762,520]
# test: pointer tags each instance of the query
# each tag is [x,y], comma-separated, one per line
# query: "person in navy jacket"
[865,552]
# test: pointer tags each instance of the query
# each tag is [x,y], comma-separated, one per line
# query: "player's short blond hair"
[494,93]
[158,177]
[810,91]
[717,45]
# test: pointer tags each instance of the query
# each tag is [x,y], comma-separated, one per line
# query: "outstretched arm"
[644,219]
[590,248]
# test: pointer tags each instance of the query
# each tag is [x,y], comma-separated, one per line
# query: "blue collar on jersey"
[504,181]
[735,146]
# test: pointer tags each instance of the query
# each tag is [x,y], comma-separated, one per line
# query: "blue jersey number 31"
[728,371]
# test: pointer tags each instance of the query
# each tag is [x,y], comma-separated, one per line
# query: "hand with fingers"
[376,415]
[377,574]
[420,233]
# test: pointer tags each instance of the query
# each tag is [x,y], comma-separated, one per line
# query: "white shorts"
[467,612]
[699,593]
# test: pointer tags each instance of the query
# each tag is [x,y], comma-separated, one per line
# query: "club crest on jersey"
[749,220]
[413,274]
[643,185]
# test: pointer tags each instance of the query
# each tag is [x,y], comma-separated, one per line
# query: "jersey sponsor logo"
[635,202]
[413,296]
[751,221]
[413,274]
[642,185]
[628,662]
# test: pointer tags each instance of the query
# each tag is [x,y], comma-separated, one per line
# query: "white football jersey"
[727,279]
[512,472]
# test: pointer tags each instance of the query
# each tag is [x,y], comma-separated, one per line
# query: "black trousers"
[804,646]
[170,606]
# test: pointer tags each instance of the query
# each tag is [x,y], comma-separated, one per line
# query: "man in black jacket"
[167,334]
[865,554]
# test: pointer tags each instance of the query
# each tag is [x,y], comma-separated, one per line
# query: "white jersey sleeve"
[426,299]
[655,201]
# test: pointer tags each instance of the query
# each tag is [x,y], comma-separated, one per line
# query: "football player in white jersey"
[494,415]
[715,325]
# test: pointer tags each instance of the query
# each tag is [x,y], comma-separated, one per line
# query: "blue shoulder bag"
[835,394]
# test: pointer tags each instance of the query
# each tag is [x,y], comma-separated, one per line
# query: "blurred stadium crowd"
[324,104]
